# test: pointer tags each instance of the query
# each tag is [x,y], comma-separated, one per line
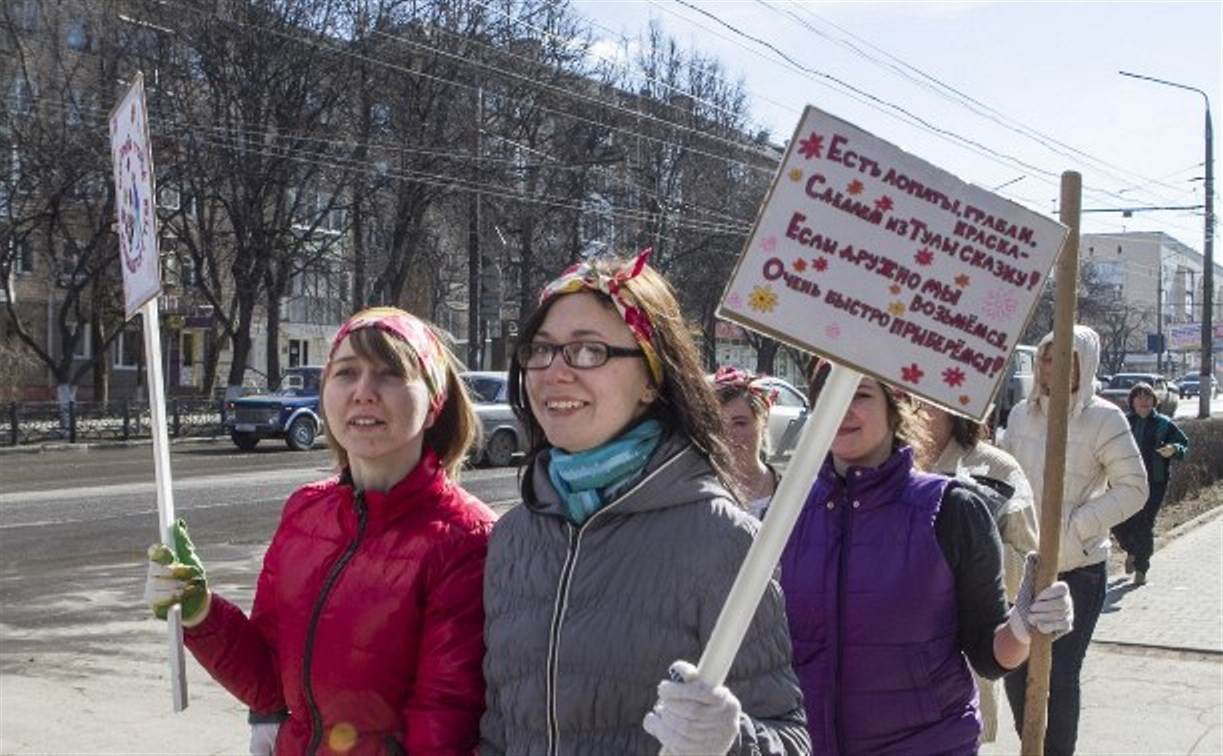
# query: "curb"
[91,445]
[1188,525]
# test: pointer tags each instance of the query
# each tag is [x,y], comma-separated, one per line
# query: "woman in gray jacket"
[610,576]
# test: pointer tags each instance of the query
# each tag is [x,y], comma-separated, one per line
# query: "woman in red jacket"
[366,634]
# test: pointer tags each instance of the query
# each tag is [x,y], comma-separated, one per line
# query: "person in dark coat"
[1159,441]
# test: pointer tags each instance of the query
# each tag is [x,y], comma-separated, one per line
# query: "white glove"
[1050,612]
[263,738]
[692,718]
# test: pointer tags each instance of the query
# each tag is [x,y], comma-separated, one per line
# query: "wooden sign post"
[1040,658]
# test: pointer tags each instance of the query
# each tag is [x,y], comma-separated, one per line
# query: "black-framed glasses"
[581,355]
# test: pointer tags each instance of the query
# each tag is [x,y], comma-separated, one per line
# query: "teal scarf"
[589,479]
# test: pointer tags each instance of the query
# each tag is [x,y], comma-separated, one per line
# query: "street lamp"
[1207,368]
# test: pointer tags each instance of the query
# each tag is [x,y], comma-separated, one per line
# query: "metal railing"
[80,422]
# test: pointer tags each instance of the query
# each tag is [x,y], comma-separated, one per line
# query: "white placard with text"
[135,203]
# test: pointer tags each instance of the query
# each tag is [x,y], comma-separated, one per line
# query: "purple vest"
[871,605]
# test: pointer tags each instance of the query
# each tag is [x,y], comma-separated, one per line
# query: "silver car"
[504,439]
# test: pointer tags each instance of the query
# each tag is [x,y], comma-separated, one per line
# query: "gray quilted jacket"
[581,623]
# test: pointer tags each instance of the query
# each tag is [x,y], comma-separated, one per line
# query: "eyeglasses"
[581,355]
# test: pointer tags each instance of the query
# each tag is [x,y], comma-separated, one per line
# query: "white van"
[1016,383]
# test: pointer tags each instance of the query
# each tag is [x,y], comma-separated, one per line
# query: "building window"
[187,348]
[128,349]
[23,256]
[25,15]
[84,344]
[21,97]
[75,35]
[299,352]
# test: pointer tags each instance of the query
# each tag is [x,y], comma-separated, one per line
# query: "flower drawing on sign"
[820,264]
[855,187]
[832,331]
[800,265]
[1000,305]
[965,399]
[912,374]
[812,146]
[762,299]
[895,289]
[796,174]
[924,256]
[734,300]
[953,377]
[883,204]
[769,243]
[897,308]
[962,280]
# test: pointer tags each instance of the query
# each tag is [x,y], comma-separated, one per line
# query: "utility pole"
[475,334]
[1206,371]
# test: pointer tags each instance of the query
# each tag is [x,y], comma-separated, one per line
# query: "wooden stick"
[1040,660]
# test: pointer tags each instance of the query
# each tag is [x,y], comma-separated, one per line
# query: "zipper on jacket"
[316,716]
[844,515]
[562,600]
[554,633]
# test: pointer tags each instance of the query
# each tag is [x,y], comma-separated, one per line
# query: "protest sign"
[134,199]
[871,257]
[136,213]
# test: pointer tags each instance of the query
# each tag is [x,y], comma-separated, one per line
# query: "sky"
[1036,87]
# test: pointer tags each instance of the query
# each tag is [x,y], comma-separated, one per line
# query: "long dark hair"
[685,400]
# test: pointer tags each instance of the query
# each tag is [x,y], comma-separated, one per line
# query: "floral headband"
[430,357]
[598,275]
[729,377]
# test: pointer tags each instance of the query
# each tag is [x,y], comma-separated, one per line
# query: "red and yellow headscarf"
[729,377]
[422,343]
[599,275]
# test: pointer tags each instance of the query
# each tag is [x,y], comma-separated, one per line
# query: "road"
[82,661]
[67,516]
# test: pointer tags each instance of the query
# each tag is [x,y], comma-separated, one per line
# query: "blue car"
[291,412]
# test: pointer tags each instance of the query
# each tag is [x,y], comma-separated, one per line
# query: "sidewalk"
[1153,678]
[95,679]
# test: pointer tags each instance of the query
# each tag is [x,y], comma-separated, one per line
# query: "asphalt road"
[75,524]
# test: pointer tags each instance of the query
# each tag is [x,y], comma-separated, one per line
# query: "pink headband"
[729,377]
[598,275]
[430,357]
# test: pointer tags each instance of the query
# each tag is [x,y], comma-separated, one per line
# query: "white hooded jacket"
[1105,481]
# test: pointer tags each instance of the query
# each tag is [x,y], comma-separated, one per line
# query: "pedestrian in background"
[610,575]
[366,634]
[1104,485]
[745,417]
[893,586]
[1159,442]
[957,447]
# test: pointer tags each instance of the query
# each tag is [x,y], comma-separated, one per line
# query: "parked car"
[1016,383]
[290,412]
[1118,390]
[1188,385]
[504,438]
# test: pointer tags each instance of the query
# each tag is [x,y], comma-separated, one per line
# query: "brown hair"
[904,419]
[1142,387]
[685,399]
[456,428]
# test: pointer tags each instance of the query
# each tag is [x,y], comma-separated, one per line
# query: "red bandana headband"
[599,275]
[729,377]
[430,357]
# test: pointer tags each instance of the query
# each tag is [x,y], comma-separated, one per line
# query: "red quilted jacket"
[368,620]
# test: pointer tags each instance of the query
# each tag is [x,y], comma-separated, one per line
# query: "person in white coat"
[1105,483]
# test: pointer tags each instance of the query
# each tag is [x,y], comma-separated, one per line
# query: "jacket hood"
[678,473]
[1087,347]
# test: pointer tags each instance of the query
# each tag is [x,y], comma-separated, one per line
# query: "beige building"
[1160,281]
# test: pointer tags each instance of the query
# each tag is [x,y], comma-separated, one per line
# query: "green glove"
[177,577]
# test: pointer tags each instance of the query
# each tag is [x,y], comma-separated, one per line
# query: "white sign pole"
[136,211]
[165,492]
[757,570]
